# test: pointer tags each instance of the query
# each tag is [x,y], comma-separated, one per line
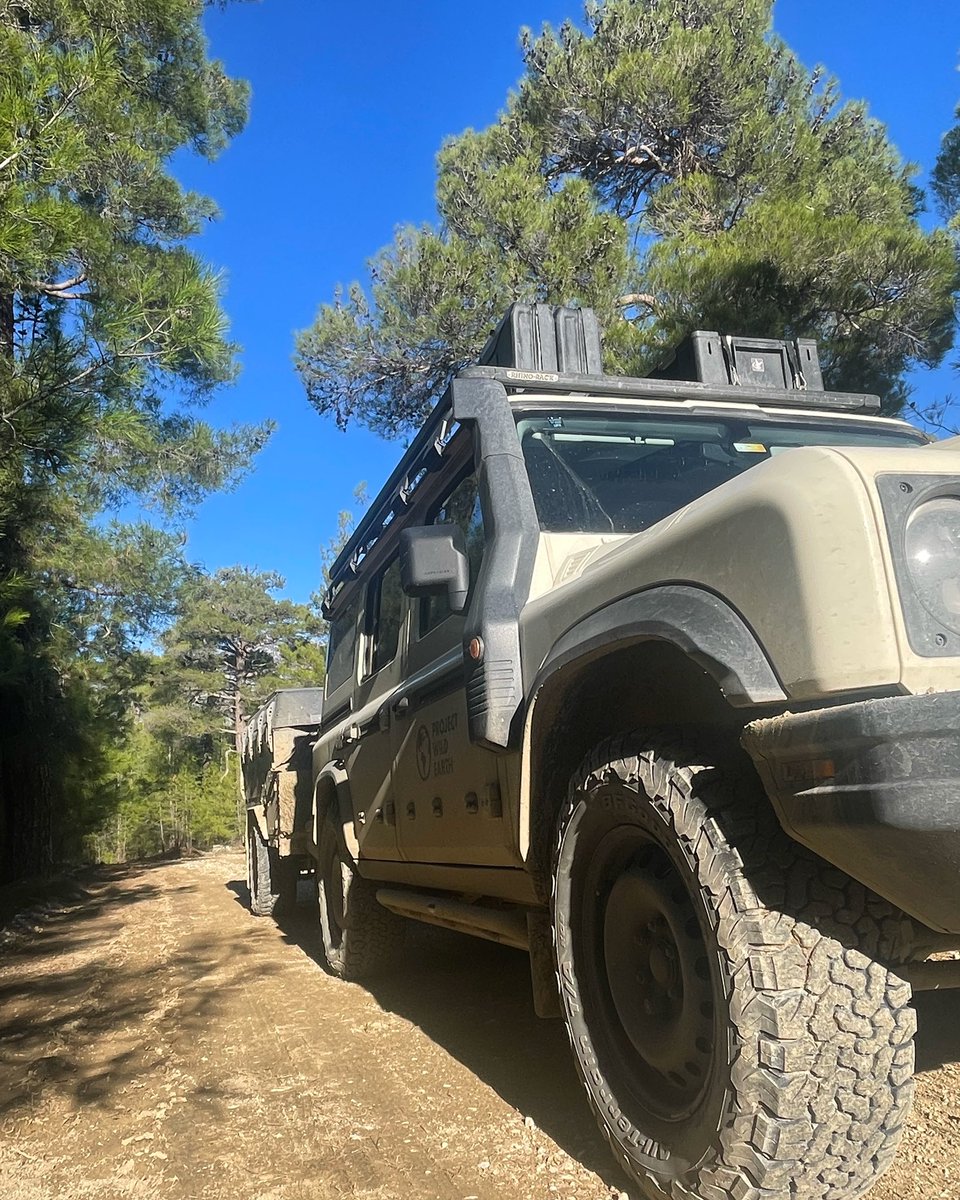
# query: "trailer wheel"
[731,1022]
[360,937]
[264,887]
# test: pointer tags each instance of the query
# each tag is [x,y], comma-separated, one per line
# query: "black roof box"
[706,357]
[544,338]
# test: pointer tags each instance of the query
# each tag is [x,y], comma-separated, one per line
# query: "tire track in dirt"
[156,1041]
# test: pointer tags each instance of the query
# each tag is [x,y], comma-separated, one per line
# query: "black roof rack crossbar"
[668,389]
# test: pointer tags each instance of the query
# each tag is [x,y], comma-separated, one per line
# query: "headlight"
[932,549]
[922,515]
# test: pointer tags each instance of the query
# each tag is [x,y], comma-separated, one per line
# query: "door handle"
[402,706]
[351,734]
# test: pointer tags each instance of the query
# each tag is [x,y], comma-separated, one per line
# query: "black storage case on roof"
[539,337]
[706,357]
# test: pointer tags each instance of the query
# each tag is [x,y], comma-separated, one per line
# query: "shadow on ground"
[473,998]
[76,1016]
[938,1029]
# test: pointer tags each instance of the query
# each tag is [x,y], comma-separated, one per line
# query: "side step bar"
[931,976]
[496,925]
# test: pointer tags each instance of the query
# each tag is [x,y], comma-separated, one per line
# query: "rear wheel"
[733,1024]
[360,937]
[264,888]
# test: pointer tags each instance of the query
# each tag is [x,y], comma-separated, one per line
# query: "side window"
[385,615]
[461,507]
[342,645]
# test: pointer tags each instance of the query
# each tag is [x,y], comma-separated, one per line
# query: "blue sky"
[350,104]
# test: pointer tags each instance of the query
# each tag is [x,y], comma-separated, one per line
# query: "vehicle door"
[368,755]
[449,792]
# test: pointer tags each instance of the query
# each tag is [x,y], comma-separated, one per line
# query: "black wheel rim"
[650,972]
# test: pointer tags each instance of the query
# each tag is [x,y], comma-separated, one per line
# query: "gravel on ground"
[159,1042]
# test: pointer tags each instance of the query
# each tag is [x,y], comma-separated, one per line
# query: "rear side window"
[342,645]
[385,616]
[461,507]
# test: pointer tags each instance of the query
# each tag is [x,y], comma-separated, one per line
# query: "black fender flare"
[697,621]
[701,625]
[332,785]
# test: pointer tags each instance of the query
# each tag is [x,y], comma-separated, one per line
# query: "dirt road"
[156,1041]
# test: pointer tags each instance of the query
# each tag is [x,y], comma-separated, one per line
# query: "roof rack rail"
[425,451]
[669,389]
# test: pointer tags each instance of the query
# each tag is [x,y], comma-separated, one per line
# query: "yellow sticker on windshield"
[750,447]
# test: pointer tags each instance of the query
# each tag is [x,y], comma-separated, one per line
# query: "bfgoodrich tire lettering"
[724,991]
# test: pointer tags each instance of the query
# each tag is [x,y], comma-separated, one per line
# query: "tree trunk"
[239,725]
[7,327]
[237,722]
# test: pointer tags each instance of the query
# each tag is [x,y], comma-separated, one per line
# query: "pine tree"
[673,165]
[102,306]
[112,337]
[233,643]
[945,185]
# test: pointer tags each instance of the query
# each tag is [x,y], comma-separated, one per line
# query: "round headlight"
[932,544]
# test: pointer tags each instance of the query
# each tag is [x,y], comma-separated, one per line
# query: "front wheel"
[734,1029]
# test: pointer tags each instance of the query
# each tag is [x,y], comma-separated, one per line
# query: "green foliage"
[164,798]
[945,176]
[672,164]
[945,185]
[111,337]
[505,232]
[171,784]
[57,725]
[102,307]
[233,643]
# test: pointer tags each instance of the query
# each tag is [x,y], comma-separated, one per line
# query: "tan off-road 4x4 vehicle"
[657,678]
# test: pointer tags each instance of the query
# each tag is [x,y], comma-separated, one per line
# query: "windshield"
[622,472]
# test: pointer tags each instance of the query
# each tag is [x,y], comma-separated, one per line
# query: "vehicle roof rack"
[541,348]
[652,388]
[424,451]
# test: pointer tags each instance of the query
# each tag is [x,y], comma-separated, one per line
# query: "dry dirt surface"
[157,1041]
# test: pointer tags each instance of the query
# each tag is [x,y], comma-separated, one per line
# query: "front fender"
[333,787]
[698,622]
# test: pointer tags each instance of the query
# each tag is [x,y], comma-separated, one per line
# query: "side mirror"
[433,560]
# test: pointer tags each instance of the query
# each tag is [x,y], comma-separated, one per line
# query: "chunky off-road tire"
[264,889]
[360,937]
[725,992]
[271,880]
